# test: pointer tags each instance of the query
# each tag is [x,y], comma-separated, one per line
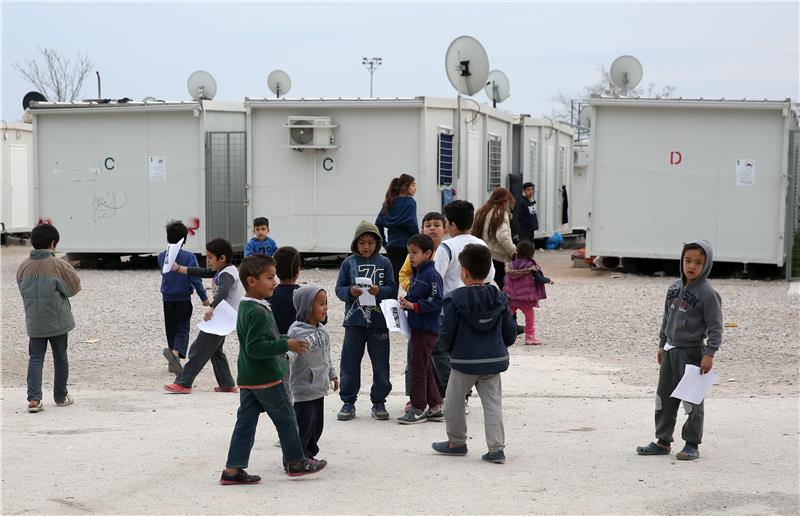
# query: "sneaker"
[66,402]
[533,342]
[226,389]
[437,416]
[305,467]
[408,406]
[347,412]
[444,447]
[36,408]
[412,417]
[498,457]
[173,364]
[174,388]
[241,477]
[379,411]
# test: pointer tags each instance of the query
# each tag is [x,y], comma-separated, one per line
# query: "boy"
[312,373]
[365,324]
[45,283]
[259,376]
[261,243]
[477,329]
[692,313]
[525,213]
[424,305]
[208,346]
[176,293]
[287,266]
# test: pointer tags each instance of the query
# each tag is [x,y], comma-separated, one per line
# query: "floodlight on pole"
[371,64]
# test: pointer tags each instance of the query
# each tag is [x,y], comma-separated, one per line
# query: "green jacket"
[261,347]
[45,283]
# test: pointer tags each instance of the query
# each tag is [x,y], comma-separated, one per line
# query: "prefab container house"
[110,176]
[317,167]
[16,156]
[664,172]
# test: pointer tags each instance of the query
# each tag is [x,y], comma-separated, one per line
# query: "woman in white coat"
[493,224]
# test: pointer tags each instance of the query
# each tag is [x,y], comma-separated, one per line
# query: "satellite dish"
[32,96]
[279,82]
[467,65]
[498,88]
[585,117]
[201,85]
[301,135]
[149,99]
[626,72]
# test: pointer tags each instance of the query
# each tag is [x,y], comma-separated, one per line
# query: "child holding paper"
[365,325]
[207,346]
[424,305]
[692,315]
[176,292]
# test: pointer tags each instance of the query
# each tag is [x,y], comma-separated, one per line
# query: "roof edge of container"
[689,103]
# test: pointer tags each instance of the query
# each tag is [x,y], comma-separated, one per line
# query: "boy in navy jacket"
[424,305]
[477,328]
[176,292]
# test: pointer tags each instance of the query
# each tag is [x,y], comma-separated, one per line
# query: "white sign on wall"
[745,172]
[158,169]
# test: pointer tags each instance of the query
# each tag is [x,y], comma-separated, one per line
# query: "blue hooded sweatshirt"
[176,286]
[425,291]
[401,222]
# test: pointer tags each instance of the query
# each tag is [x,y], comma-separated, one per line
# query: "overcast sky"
[710,50]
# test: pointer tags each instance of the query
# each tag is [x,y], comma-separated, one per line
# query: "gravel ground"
[608,317]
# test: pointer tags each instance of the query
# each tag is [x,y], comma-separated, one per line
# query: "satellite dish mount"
[626,73]
[279,83]
[201,85]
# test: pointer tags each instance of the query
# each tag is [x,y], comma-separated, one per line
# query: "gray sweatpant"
[490,389]
[672,367]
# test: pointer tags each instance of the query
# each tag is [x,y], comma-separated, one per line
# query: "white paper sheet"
[158,169]
[745,172]
[365,299]
[169,259]
[694,386]
[223,322]
[396,319]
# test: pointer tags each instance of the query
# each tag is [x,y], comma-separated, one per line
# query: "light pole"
[371,64]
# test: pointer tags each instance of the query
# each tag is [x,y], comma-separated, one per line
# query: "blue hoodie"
[256,246]
[401,222]
[477,327]
[176,286]
[425,291]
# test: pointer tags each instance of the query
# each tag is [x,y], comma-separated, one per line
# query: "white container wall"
[580,198]
[315,197]
[665,172]
[16,156]
[110,176]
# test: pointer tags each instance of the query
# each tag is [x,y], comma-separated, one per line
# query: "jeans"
[37,347]
[177,317]
[275,403]
[499,273]
[205,347]
[377,344]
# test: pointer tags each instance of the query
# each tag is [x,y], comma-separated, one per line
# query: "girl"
[525,287]
[398,216]
[492,224]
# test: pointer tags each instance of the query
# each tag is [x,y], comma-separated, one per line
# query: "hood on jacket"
[303,299]
[403,208]
[709,252]
[363,228]
[481,306]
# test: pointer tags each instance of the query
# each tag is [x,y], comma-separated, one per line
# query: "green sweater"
[260,345]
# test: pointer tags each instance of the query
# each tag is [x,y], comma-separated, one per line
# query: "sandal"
[67,402]
[36,408]
[688,453]
[652,449]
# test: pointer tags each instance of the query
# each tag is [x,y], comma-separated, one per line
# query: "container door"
[226,196]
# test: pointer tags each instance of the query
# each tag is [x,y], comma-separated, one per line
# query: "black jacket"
[525,215]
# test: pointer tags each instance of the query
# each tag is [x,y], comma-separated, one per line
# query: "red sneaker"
[177,389]
[226,389]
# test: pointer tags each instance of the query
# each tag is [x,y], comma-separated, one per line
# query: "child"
[287,265]
[525,287]
[311,373]
[259,376]
[424,305]
[176,292]
[261,243]
[45,283]
[692,313]
[208,346]
[476,330]
[433,226]
[525,213]
[365,324]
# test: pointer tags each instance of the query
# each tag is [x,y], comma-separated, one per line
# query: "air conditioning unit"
[311,132]
[581,158]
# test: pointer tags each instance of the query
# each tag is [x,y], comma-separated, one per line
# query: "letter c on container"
[112,166]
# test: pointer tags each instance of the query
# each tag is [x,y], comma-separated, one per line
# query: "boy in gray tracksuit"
[311,373]
[692,315]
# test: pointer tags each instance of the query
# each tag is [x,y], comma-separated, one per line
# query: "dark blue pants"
[37,347]
[275,403]
[205,347]
[310,422]
[177,318]
[376,341]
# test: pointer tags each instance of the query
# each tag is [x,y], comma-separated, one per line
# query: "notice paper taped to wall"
[158,169]
[745,172]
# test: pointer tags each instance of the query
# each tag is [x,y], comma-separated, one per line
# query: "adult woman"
[492,224]
[398,216]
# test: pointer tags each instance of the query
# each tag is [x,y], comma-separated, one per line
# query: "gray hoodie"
[311,373]
[693,312]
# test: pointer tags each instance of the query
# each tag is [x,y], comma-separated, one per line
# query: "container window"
[445,163]
[493,170]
